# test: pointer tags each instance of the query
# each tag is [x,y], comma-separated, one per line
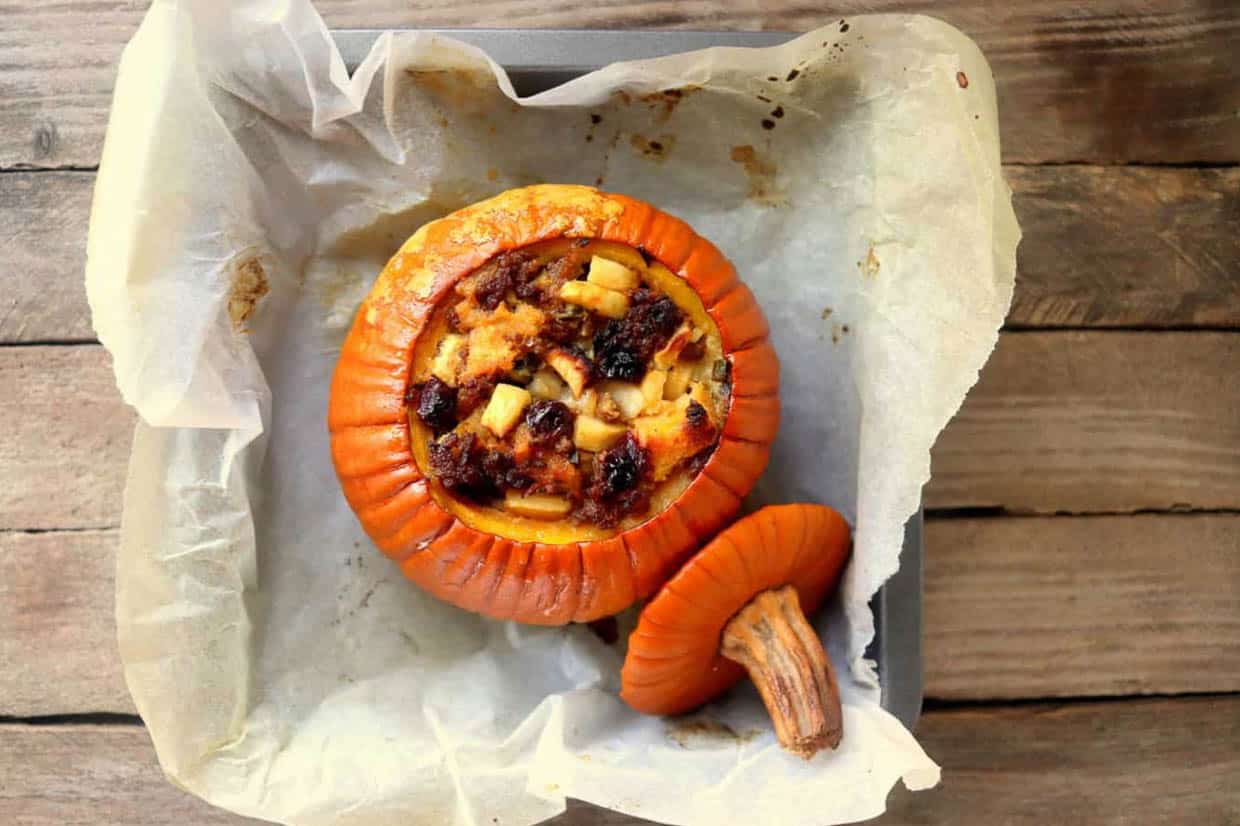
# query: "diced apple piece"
[629,398]
[588,403]
[611,275]
[448,358]
[593,297]
[652,389]
[678,379]
[669,354]
[594,434]
[574,368]
[537,505]
[507,404]
[546,384]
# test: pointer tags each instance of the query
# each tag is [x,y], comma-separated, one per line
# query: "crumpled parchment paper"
[250,191]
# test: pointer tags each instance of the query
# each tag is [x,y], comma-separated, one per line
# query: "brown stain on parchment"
[761,172]
[869,265]
[656,148]
[703,732]
[664,103]
[246,289]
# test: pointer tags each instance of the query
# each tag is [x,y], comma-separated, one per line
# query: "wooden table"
[1085,507]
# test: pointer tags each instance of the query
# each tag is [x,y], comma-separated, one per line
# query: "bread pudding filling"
[571,381]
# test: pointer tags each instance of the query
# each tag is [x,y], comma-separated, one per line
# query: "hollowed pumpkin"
[482,532]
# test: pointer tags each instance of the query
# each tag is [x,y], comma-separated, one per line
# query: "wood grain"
[1106,81]
[1079,422]
[1146,761]
[1126,246]
[1086,422]
[1120,605]
[1102,247]
[58,626]
[1077,606]
[43,218]
[65,441]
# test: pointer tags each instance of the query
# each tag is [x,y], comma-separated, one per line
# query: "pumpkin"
[738,607]
[534,563]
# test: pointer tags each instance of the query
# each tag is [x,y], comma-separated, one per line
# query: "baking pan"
[537,60]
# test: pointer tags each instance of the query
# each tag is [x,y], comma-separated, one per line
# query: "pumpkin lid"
[739,605]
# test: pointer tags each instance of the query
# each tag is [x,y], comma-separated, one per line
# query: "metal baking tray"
[537,60]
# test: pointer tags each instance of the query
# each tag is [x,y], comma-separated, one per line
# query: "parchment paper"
[249,194]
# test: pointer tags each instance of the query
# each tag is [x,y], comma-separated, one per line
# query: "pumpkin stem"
[771,638]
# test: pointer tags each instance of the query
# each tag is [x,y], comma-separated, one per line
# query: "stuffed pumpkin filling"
[570,381]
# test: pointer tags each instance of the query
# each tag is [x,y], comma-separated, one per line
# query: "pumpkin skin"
[674,663]
[535,582]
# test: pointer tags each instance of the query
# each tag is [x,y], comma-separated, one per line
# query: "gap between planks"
[1107,600]
[1103,763]
[1125,248]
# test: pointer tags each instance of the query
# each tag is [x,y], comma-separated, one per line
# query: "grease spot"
[664,103]
[704,733]
[870,265]
[777,112]
[767,123]
[792,75]
[248,286]
[761,173]
[492,174]
[826,313]
[656,148]
[844,27]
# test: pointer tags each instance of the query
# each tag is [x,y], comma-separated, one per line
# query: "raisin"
[437,405]
[549,422]
[623,346]
[695,415]
[619,468]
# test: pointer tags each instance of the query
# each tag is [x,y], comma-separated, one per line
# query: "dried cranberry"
[549,421]
[437,405]
[619,468]
[623,346]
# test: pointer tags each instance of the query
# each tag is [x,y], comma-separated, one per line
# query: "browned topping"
[566,387]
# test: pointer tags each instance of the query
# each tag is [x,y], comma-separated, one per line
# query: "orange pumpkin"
[739,605]
[488,561]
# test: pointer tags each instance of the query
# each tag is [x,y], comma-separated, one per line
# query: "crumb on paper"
[761,173]
[767,123]
[249,285]
[962,80]
[869,266]
[703,732]
[826,313]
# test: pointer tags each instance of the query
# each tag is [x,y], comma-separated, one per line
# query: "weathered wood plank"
[88,775]
[1146,761]
[1096,422]
[58,626]
[1079,606]
[65,441]
[1060,421]
[1120,605]
[43,219]
[1103,246]
[1110,81]
[1126,246]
